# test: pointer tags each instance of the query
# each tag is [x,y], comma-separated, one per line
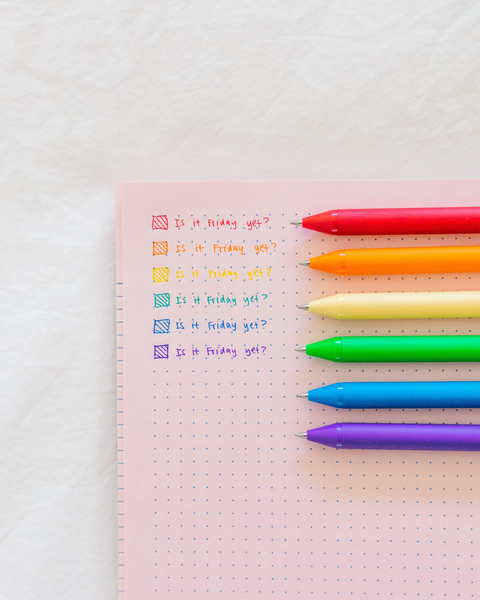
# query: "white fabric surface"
[98,92]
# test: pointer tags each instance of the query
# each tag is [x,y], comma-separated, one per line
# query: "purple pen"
[396,436]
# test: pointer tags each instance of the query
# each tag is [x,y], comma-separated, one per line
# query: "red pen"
[395,221]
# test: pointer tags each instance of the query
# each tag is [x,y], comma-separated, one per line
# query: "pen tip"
[304,263]
[303,306]
[296,222]
[304,349]
[303,395]
[301,435]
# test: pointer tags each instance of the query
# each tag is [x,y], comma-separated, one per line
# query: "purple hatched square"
[160,351]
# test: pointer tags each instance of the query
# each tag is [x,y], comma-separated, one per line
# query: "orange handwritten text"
[227,248]
[265,248]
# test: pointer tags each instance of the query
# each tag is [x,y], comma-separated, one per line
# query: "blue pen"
[398,394]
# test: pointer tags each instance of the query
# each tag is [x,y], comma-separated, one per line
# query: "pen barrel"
[398,436]
[399,394]
[431,348]
[408,221]
[416,348]
[410,305]
[391,261]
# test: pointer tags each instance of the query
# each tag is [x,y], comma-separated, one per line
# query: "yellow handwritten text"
[222,273]
[259,273]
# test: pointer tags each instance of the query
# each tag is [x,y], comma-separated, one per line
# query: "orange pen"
[390,261]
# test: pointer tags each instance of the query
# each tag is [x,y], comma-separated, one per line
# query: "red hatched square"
[160,222]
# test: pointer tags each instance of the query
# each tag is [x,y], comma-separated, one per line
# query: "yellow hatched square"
[160,274]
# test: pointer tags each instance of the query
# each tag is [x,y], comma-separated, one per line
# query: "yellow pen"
[404,305]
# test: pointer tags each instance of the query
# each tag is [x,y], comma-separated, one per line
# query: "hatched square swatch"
[161,300]
[160,351]
[160,248]
[160,274]
[160,222]
[161,326]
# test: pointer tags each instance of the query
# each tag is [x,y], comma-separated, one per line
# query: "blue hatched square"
[161,326]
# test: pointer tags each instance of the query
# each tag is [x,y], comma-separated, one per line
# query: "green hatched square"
[161,300]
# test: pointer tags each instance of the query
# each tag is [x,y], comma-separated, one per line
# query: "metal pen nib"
[301,435]
[303,395]
[304,349]
[302,306]
[296,222]
[304,263]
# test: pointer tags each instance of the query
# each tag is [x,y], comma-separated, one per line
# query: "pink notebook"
[217,497]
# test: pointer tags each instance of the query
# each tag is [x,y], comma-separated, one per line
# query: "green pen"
[397,348]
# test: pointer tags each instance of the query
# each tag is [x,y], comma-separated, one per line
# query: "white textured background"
[97,92]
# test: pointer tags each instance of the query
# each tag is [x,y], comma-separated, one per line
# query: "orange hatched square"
[160,248]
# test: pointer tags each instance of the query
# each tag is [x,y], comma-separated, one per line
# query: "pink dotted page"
[217,497]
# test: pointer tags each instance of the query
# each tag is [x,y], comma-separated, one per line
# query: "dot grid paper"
[217,497]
